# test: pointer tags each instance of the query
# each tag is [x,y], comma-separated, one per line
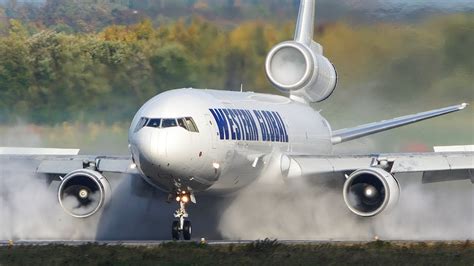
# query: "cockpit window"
[190,125]
[154,123]
[143,121]
[181,123]
[186,123]
[168,123]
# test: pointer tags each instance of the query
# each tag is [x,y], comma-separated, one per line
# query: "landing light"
[185,199]
[133,166]
[178,198]
[216,165]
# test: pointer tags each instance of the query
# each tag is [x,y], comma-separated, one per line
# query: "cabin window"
[154,123]
[168,123]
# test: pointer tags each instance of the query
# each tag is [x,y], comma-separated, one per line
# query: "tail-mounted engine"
[301,71]
[368,192]
[298,67]
[83,192]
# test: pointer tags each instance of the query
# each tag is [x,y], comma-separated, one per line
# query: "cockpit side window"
[154,123]
[143,121]
[168,123]
[181,123]
[190,125]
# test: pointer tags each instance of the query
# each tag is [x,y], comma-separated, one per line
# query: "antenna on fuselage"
[241,87]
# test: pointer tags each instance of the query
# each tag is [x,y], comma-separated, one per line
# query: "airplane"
[187,142]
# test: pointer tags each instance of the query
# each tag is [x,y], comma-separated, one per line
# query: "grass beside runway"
[264,252]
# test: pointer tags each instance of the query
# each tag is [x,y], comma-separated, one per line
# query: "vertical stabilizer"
[305,24]
[298,67]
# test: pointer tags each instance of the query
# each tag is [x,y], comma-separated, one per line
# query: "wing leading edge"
[65,165]
[435,166]
[63,161]
[24,151]
[343,135]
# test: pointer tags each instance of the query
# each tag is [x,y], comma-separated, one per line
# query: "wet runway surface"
[210,242]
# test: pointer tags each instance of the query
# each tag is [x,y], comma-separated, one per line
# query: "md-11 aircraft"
[185,142]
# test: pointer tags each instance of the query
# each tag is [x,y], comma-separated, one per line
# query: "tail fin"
[298,67]
[305,24]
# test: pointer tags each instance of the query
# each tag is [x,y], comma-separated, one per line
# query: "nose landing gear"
[182,225]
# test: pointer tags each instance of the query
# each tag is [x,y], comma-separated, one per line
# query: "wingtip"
[463,105]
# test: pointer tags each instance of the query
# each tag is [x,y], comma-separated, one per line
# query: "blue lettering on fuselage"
[221,122]
[255,125]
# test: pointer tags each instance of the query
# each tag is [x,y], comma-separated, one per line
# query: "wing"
[347,134]
[58,162]
[435,166]
[370,185]
[83,178]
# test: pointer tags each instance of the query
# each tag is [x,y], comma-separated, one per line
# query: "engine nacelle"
[83,192]
[301,70]
[368,192]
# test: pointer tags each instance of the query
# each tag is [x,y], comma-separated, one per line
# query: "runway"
[154,243]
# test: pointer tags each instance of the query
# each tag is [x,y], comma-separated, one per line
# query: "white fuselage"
[225,149]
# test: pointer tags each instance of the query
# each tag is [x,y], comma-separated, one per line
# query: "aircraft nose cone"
[151,146]
[141,145]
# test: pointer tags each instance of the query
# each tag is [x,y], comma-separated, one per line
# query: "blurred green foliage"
[97,62]
[94,15]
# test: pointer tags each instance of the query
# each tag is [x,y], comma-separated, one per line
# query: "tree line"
[50,76]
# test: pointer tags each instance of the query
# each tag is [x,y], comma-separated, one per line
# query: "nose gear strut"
[182,225]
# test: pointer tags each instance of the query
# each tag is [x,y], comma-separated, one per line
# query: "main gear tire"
[175,230]
[187,230]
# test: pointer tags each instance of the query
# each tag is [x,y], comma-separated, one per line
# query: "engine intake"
[83,192]
[368,192]
[301,70]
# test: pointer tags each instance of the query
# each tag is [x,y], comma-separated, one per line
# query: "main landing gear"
[182,225]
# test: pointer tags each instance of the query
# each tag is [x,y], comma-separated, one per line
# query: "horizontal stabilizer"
[37,151]
[347,134]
